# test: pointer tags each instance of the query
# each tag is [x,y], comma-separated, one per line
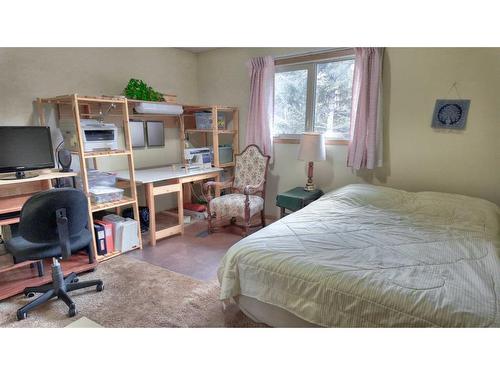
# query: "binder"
[100,239]
[108,231]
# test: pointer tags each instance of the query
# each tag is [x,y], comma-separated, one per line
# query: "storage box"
[225,154]
[98,178]
[105,194]
[125,231]
[204,120]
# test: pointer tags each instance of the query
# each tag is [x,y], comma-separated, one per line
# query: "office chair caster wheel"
[99,287]
[75,280]
[72,311]
[29,295]
[21,315]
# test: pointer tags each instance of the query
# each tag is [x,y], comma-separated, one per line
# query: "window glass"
[333,98]
[290,98]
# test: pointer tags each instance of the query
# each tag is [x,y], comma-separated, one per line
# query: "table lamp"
[311,149]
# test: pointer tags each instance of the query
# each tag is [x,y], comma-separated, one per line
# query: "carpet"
[136,294]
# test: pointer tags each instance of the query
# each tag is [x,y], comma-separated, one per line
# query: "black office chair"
[53,225]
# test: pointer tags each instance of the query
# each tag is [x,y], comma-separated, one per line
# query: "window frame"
[310,63]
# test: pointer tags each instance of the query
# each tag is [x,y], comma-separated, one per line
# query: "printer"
[96,136]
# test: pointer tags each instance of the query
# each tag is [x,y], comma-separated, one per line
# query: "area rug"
[136,294]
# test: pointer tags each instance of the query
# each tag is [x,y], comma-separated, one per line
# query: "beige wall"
[27,73]
[417,157]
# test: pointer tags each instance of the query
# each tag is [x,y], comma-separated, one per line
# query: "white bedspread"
[365,256]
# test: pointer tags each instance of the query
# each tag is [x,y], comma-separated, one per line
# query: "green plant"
[139,90]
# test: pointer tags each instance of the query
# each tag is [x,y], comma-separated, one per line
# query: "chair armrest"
[252,189]
[221,185]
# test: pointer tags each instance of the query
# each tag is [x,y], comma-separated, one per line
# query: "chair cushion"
[22,249]
[233,205]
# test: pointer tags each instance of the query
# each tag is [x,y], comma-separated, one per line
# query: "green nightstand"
[296,199]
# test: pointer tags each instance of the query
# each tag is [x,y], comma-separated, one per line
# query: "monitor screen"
[25,148]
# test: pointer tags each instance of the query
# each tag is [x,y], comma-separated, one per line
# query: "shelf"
[67,99]
[188,109]
[98,154]
[149,116]
[108,256]
[100,258]
[225,165]
[221,131]
[43,176]
[104,206]
[87,107]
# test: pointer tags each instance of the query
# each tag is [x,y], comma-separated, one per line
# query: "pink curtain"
[365,147]
[260,108]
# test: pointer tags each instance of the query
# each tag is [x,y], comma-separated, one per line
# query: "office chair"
[53,225]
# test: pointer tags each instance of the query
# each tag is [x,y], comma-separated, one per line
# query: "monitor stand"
[19,175]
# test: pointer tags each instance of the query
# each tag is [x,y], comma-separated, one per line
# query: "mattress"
[368,256]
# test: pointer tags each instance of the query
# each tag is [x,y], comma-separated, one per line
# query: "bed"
[368,256]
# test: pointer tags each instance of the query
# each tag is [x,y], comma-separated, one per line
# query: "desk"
[13,195]
[173,180]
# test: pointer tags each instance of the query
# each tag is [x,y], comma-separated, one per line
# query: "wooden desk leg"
[180,209]
[150,201]
[217,190]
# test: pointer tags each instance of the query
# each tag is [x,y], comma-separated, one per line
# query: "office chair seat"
[22,249]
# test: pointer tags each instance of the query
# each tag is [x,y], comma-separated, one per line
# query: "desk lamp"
[311,149]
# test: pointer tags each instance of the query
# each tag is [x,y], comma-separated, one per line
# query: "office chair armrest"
[63,232]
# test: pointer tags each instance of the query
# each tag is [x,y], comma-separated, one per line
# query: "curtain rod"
[314,52]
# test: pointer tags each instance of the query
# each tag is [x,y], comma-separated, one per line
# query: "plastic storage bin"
[225,154]
[98,178]
[105,194]
[204,120]
[125,235]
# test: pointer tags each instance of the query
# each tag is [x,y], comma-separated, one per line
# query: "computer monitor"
[25,148]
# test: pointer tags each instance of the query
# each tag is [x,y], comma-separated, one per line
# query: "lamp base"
[310,187]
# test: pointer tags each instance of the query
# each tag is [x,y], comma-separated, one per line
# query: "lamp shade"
[312,147]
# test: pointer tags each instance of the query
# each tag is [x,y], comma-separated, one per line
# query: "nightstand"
[296,199]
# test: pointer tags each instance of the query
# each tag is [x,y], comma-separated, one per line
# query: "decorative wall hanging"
[450,114]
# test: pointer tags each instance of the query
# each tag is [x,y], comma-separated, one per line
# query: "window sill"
[290,141]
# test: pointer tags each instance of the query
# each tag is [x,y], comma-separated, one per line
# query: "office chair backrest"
[38,216]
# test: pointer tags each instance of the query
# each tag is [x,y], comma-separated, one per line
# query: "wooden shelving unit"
[79,107]
[188,127]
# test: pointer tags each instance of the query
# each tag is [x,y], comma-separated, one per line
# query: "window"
[313,96]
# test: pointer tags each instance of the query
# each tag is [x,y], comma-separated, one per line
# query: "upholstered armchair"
[247,192]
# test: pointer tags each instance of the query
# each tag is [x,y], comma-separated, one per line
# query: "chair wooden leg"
[210,227]
[263,218]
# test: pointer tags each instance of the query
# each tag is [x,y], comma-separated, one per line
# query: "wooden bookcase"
[78,107]
[75,107]
[211,136]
